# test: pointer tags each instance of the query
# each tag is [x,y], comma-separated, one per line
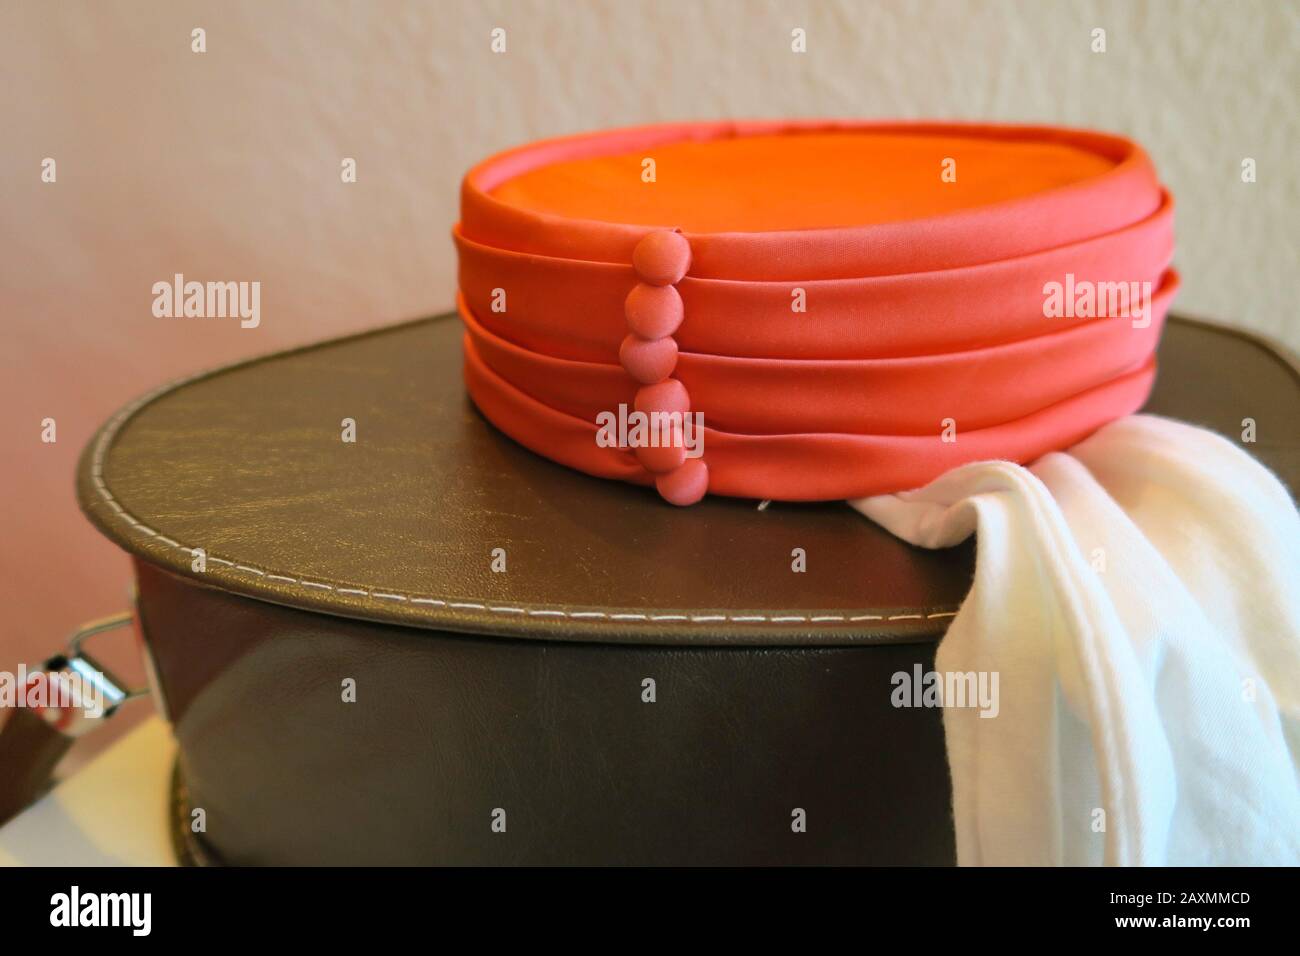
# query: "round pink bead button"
[663,458]
[667,396]
[662,257]
[648,360]
[653,311]
[685,485]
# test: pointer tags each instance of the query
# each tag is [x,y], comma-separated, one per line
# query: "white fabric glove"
[1139,598]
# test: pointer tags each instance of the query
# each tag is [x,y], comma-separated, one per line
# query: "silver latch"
[98,690]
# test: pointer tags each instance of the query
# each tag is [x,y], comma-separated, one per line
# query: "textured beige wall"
[225,165]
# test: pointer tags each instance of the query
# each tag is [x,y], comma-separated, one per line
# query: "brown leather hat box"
[439,647]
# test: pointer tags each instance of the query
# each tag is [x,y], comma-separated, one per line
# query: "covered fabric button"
[685,485]
[667,396]
[662,257]
[653,311]
[663,458]
[648,360]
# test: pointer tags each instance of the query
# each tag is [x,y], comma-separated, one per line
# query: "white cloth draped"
[1139,598]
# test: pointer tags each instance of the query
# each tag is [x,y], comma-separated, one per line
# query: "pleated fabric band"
[811,311]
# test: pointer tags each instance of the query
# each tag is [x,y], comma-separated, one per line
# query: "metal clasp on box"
[100,684]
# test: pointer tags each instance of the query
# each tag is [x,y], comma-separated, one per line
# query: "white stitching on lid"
[110,431]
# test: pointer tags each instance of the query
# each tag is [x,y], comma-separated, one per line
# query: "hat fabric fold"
[849,308]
